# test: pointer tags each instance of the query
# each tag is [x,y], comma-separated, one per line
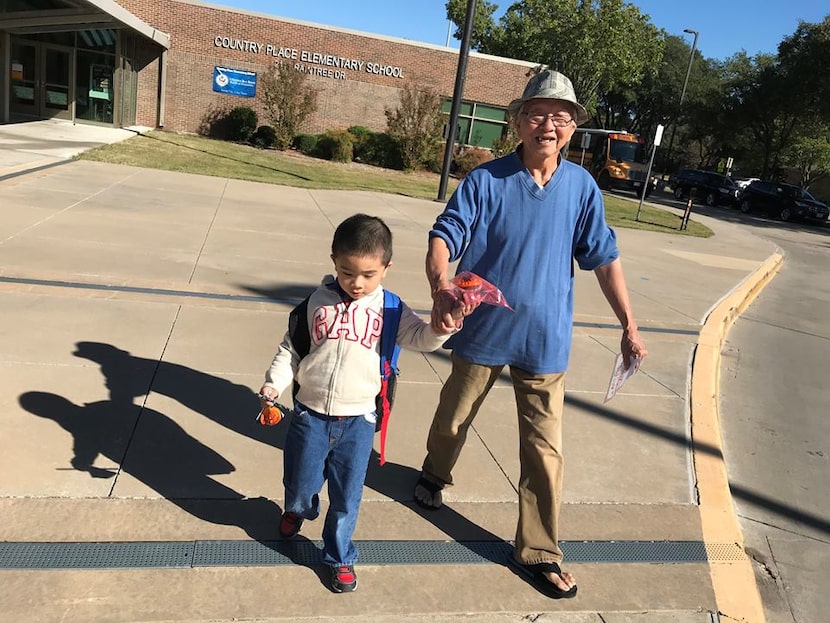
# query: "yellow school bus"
[616,159]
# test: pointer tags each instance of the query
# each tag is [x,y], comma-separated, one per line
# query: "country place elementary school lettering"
[314,58]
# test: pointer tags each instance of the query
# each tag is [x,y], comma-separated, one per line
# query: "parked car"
[784,201]
[742,183]
[713,188]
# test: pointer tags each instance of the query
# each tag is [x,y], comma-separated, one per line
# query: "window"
[479,125]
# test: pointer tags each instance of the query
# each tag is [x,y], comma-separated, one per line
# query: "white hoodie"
[341,374]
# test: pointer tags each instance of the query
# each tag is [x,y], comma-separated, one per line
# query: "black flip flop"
[535,576]
[432,487]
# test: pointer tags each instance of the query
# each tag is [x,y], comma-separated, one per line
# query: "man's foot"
[290,525]
[428,493]
[546,577]
[563,580]
[343,579]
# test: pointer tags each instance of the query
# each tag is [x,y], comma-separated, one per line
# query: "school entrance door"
[42,84]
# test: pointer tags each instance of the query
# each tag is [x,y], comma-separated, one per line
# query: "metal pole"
[683,92]
[646,183]
[684,221]
[457,95]
[658,136]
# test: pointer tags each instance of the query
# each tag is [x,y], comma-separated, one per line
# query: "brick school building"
[169,63]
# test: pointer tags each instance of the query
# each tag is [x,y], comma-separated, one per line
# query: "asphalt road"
[774,406]
[774,414]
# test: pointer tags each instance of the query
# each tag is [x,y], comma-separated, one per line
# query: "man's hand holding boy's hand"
[448,311]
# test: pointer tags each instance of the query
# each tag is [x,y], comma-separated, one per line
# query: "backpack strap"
[389,352]
[300,337]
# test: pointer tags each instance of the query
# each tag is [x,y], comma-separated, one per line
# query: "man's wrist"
[438,286]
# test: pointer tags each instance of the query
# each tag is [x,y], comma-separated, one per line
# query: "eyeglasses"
[539,119]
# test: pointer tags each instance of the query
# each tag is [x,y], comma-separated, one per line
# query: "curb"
[7,173]
[736,591]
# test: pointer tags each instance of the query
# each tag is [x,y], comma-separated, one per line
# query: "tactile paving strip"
[254,553]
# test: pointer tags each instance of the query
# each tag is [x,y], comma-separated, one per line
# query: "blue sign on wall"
[234,81]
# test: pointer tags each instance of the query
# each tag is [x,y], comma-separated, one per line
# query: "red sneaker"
[343,579]
[290,525]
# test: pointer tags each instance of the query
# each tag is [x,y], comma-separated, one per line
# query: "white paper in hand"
[620,375]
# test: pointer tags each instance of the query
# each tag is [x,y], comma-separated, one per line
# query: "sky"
[725,27]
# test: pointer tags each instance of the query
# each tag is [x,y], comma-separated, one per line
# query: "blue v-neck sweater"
[524,239]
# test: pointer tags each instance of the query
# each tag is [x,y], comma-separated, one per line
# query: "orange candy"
[467,282]
[270,416]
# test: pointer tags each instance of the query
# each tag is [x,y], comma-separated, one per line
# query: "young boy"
[331,436]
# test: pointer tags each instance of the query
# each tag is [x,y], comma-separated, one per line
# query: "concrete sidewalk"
[29,146]
[140,309]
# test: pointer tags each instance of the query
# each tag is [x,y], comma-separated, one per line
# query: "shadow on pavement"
[179,467]
[819,523]
[173,463]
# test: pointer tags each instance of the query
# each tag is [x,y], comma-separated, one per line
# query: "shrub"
[359,132]
[265,137]
[360,136]
[417,125]
[288,100]
[435,163]
[214,123]
[385,151]
[507,143]
[336,145]
[470,158]
[242,121]
[375,148]
[305,143]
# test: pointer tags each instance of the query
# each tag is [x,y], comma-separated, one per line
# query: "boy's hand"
[448,312]
[440,327]
[267,396]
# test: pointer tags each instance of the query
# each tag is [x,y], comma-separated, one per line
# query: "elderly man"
[520,222]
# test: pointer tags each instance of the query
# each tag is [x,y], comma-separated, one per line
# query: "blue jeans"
[318,448]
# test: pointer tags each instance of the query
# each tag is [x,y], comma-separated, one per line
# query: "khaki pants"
[539,403]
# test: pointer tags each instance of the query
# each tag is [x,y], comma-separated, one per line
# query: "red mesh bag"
[470,289]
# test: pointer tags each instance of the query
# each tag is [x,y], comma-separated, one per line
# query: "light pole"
[457,95]
[683,92]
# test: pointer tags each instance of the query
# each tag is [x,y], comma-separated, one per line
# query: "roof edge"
[122,15]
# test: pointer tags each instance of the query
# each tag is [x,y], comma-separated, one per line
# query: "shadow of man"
[171,462]
[234,407]
[128,377]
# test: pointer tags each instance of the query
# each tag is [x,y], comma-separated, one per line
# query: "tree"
[655,99]
[288,100]
[598,44]
[704,132]
[809,152]
[805,58]
[760,99]
[482,22]
[416,125]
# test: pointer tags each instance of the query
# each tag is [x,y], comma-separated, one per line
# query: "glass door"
[24,79]
[41,80]
[57,83]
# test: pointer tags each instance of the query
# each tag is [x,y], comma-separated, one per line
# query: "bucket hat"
[550,84]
